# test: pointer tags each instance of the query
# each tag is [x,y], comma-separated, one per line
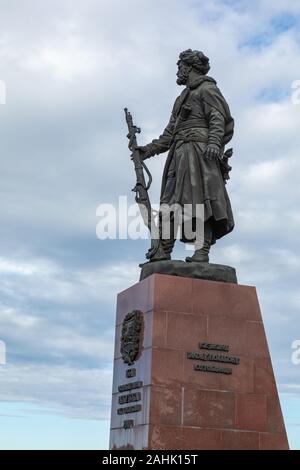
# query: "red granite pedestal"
[181,400]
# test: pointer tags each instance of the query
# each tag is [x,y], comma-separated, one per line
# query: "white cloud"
[61,315]
[66,57]
[16,319]
[71,391]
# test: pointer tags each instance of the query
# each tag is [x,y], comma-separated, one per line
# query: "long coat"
[200,116]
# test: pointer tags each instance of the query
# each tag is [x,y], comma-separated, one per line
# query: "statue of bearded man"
[199,128]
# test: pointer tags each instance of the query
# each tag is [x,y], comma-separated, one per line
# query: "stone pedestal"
[201,376]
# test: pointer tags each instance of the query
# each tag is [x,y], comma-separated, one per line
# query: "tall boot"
[167,243]
[202,249]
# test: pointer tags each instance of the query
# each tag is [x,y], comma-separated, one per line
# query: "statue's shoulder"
[210,92]
[207,84]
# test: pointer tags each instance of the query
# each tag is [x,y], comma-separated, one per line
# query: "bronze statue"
[196,168]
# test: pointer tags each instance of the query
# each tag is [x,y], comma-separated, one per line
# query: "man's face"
[183,73]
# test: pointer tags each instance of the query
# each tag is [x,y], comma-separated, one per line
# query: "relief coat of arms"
[131,338]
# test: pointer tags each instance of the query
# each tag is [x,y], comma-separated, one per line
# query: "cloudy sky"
[70,67]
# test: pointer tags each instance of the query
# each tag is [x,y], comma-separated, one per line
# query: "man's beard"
[182,78]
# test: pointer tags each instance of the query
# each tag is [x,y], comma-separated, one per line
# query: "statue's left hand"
[212,152]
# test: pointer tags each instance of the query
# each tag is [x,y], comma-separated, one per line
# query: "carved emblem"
[131,338]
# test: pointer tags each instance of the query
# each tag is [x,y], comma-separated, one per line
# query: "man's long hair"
[195,59]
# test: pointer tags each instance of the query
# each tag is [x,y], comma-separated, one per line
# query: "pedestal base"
[207,271]
[198,372]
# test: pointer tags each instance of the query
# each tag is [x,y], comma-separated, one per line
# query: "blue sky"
[70,68]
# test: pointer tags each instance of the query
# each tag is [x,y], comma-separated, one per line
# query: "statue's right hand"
[144,152]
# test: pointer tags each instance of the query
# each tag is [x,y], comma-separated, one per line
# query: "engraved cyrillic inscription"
[213,346]
[129,409]
[130,373]
[219,370]
[213,357]
[128,423]
[130,386]
[129,398]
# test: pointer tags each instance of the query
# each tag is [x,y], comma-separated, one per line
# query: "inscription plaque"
[130,398]
[217,347]
[129,409]
[130,386]
[218,370]
[213,357]
[128,423]
[130,373]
